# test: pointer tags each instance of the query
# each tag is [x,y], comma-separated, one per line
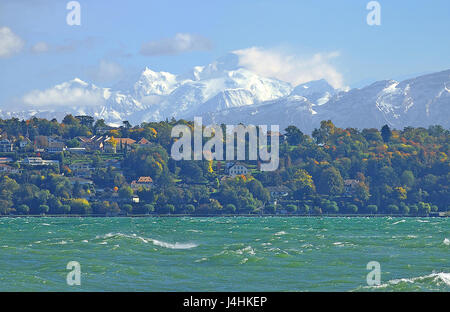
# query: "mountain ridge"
[225,92]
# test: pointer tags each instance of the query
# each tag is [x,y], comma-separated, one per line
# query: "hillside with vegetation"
[82,166]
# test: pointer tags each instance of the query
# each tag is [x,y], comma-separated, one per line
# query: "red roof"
[145,180]
[125,141]
[143,141]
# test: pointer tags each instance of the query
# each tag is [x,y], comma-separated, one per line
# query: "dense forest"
[332,171]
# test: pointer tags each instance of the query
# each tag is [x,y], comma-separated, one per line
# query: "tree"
[86,121]
[126,192]
[414,209]
[23,209]
[126,124]
[190,209]
[331,207]
[230,208]
[331,182]
[407,178]
[170,208]
[372,209]
[404,209]
[70,120]
[43,209]
[424,208]
[66,209]
[362,192]
[258,191]
[305,209]
[271,209]
[302,184]
[79,206]
[386,133]
[400,193]
[148,208]
[127,208]
[294,135]
[291,208]
[352,208]
[393,209]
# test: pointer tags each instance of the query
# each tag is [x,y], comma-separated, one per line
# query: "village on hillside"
[82,166]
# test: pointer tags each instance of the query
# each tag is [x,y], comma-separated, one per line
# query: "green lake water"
[225,254]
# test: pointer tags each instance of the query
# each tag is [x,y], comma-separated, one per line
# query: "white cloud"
[182,42]
[290,68]
[106,71]
[66,47]
[74,93]
[10,43]
[40,47]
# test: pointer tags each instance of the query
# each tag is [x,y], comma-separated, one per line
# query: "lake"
[225,254]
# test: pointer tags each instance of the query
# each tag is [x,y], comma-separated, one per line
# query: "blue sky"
[118,39]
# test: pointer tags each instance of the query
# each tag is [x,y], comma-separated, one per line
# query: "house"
[82,169]
[277,192]
[135,199]
[144,141]
[5,160]
[7,169]
[93,143]
[350,186]
[76,150]
[124,143]
[41,142]
[48,144]
[38,161]
[114,163]
[144,182]
[113,145]
[55,147]
[24,143]
[6,146]
[81,181]
[237,169]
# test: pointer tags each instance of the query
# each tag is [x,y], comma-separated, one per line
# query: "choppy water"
[224,254]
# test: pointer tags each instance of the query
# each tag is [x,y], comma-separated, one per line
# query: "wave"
[446,241]
[401,221]
[148,240]
[433,279]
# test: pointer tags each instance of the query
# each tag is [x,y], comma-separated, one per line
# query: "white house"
[7,169]
[237,169]
[6,146]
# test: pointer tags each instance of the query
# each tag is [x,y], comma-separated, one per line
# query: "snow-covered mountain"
[421,101]
[225,92]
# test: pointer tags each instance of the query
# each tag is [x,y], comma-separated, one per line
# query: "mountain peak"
[79,81]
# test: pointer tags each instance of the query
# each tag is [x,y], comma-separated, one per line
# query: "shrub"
[393,209]
[127,208]
[291,208]
[352,208]
[44,208]
[23,209]
[230,208]
[189,208]
[372,209]
[271,208]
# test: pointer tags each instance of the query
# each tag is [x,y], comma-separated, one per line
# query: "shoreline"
[228,216]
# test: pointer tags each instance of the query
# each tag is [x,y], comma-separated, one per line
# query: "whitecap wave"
[446,241]
[439,279]
[148,240]
[401,221]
